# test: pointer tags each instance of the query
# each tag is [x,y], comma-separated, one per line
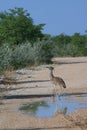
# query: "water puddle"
[55,105]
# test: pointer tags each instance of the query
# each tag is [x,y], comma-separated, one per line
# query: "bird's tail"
[64,85]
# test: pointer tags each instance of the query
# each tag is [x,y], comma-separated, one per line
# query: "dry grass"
[6,80]
[8,77]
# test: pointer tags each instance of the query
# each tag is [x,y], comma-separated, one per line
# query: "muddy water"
[63,104]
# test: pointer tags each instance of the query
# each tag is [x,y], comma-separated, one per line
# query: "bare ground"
[34,84]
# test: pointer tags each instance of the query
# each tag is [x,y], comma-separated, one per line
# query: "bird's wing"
[61,82]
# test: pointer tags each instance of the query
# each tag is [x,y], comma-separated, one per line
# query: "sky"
[60,16]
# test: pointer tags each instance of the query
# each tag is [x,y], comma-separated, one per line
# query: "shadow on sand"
[79,94]
[49,128]
[24,82]
[71,62]
[32,81]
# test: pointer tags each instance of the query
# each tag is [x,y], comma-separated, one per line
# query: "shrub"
[22,56]
[27,54]
[5,56]
[64,50]
[43,51]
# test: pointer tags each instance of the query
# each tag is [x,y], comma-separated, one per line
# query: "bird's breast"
[54,80]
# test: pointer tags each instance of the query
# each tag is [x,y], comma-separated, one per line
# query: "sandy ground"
[34,84]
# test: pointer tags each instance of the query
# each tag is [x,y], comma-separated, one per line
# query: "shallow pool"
[63,104]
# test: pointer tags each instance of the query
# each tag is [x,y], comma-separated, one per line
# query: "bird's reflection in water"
[63,111]
[54,105]
[52,99]
[55,99]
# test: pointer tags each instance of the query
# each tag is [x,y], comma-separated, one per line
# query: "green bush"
[64,50]
[22,56]
[26,54]
[39,52]
[5,56]
[43,51]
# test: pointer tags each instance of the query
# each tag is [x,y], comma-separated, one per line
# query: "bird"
[56,80]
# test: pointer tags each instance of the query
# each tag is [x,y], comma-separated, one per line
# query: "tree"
[16,26]
[62,39]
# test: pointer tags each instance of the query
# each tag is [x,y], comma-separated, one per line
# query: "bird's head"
[50,68]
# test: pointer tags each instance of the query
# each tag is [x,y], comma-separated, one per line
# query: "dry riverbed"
[33,84]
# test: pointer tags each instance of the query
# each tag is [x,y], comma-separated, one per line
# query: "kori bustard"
[56,80]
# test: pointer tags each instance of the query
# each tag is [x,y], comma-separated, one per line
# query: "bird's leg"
[59,93]
[62,90]
[54,90]
[57,97]
[52,99]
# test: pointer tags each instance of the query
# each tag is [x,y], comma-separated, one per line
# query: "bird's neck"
[51,74]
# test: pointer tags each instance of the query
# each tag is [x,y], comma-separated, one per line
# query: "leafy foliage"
[22,56]
[22,43]
[70,45]
[5,56]
[43,51]
[26,55]
[16,26]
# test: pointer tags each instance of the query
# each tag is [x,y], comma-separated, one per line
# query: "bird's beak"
[47,67]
